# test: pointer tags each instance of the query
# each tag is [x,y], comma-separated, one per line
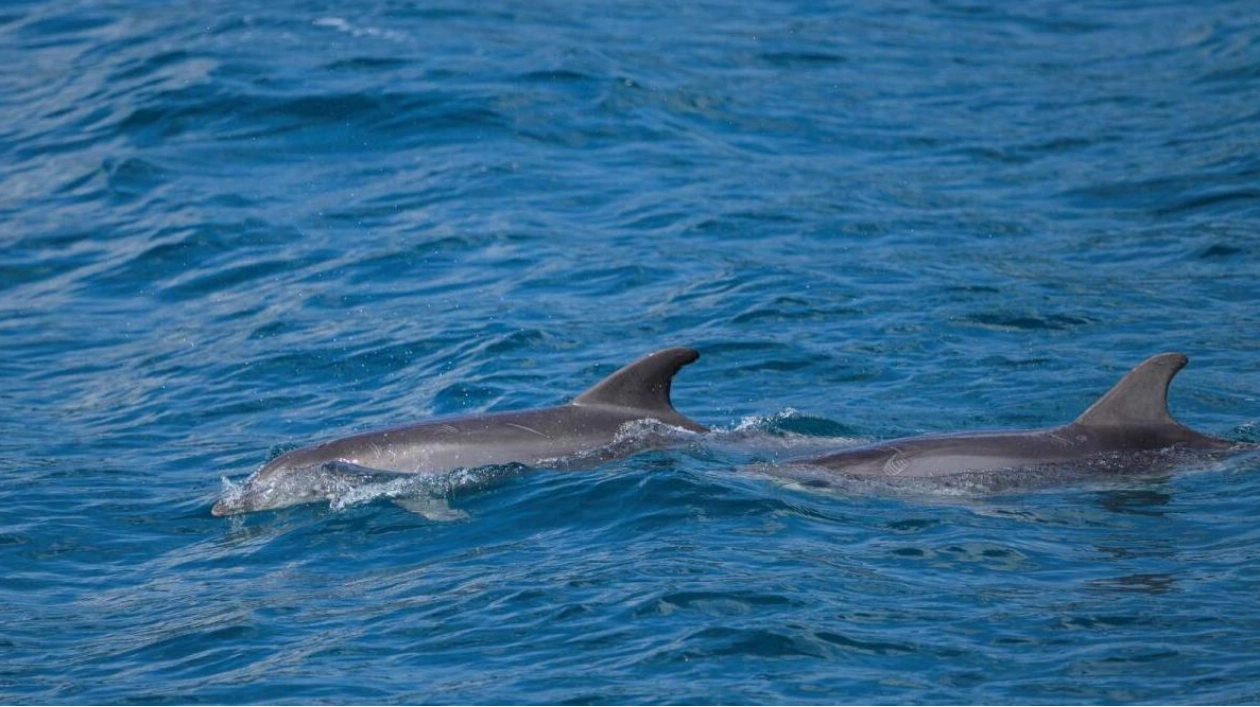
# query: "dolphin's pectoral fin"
[434,508]
[644,385]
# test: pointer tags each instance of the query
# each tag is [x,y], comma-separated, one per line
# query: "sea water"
[229,229]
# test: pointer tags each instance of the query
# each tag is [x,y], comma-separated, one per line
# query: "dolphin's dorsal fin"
[643,385]
[1140,398]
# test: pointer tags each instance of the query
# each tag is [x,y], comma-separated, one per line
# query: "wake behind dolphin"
[593,424]
[1131,421]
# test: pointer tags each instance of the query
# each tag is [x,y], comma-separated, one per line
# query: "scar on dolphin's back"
[897,463]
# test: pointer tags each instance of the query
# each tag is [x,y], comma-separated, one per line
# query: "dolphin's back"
[640,390]
[942,455]
[524,437]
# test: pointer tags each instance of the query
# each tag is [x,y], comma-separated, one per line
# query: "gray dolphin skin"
[1131,417]
[590,423]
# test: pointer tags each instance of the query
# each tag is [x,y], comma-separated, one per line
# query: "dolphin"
[1132,417]
[590,424]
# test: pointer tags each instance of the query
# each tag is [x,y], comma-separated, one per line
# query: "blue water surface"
[232,228]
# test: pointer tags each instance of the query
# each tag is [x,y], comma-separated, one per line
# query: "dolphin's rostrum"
[590,423]
[1132,417]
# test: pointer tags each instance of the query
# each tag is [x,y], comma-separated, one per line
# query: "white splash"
[342,25]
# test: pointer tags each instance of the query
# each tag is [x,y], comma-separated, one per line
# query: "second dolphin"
[1131,418]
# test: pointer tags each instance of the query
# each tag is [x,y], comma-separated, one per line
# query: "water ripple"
[234,230]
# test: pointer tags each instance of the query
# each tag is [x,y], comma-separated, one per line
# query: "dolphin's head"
[288,480]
